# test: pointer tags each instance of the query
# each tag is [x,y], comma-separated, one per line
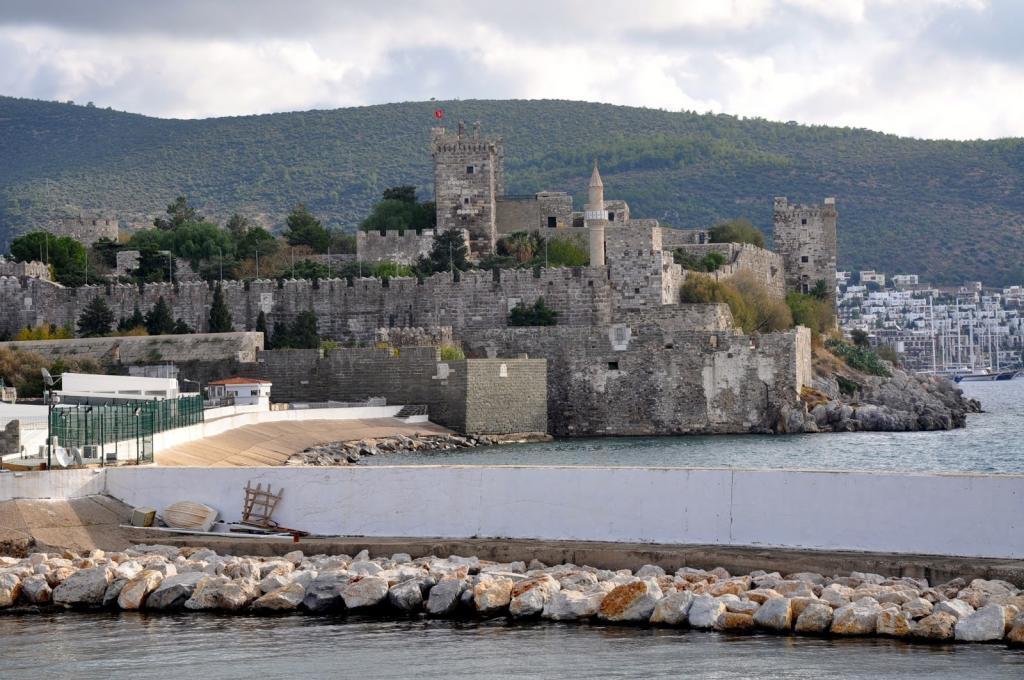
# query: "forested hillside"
[951,211]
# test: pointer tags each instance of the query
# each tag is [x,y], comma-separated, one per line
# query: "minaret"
[595,218]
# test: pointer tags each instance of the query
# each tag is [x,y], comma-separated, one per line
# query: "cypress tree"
[220,316]
[159,320]
[261,327]
[96,319]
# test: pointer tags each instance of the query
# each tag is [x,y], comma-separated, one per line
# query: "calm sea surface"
[209,647]
[992,442]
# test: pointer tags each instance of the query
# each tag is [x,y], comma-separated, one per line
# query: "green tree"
[860,338]
[181,328]
[305,230]
[220,316]
[178,213]
[342,243]
[537,314]
[136,320]
[237,225]
[303,333]
[405,193]
[399,210]
[448,252]
[308,269]
[159,320]
[564,252]
[521,245]
[255,239]
[261,327]
[96,318]
[281,337]
[66,256]
[820,290]
[736,231]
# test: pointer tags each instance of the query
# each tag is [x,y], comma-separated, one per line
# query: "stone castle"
[626,357]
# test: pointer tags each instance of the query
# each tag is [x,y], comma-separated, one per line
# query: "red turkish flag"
[439,114]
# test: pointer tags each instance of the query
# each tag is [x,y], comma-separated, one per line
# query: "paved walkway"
[79,524]
[273,443]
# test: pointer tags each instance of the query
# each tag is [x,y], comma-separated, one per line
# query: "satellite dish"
[47,378]
[60,454]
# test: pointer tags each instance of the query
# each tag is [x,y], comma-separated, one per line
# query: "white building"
[79,387]
[243,391]
[905,280]
[871,276]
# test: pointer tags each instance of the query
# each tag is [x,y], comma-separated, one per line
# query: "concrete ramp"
[272,443]
[80,524]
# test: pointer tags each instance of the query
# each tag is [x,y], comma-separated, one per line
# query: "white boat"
[190,515]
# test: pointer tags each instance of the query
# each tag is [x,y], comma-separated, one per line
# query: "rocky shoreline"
[902,402]
[349,452]
[166,578]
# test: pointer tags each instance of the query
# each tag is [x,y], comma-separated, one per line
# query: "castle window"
[465,201]
[803,221]
[613,365]
[803,258]
[469,169]
[552,222]
[611,217]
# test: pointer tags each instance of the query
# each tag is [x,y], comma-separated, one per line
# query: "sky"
[923,68]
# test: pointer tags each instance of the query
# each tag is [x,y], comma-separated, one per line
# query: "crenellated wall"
[766,267]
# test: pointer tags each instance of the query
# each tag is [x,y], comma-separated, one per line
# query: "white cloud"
[881,64]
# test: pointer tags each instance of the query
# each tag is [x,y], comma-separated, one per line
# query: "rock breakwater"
[349,452]
[162,578]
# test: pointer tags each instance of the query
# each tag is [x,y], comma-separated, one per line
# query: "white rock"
[530,596]
[673,608]
[10,589]
[957,608]
[856,618]
[815,618]
[83,588]
[173,591]
[704,611]
[368,591]
[988,623]
[135,592]
[492,594]
[284,599]
[572,605]
[35,589]
[633,601]
[775,614]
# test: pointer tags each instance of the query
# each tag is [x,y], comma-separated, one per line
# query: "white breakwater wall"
[941,514]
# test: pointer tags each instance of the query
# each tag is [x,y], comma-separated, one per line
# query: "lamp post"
[48,384]
[137,413]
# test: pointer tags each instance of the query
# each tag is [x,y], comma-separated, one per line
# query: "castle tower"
[469,175]
[805,237]
[595,218]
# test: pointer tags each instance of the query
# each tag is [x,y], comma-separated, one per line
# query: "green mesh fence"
[108,423]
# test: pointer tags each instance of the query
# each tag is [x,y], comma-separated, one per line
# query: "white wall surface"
[966,515]
[54,484]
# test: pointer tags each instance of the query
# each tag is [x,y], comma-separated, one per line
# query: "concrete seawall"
[935,514]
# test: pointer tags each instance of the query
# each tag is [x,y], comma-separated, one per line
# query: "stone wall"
[468,176]
[403,247]
[766,267]
[641,274]
[540,212]
[673,238]
[805,237]
[37,270]
[653,374]
[86,230]
[479,396]
[346,310]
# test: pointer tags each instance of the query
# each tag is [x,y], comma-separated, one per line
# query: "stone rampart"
[403,247]
[479,396]
[765,266]
[34,269]
[347,310]
[655,374]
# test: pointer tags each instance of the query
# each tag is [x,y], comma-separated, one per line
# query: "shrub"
[809,311]
[859,358]
[736,231]
[537,314]
[47,331]
[451,353]
[709,263]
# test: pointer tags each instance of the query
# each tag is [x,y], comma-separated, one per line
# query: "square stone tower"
[805,237]
[469,175]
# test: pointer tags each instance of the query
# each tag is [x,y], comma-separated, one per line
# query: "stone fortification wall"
[403,247]
[468,176]
[767,267]
[642,275]
[479,396]
[805,237]
[84,229]
[539,212]
[36,270]
[673,238]
[653,375]
[350,311]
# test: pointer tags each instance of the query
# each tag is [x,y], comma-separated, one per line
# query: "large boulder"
[84,588]
[35,590]
[734,622]
[673,608]
[10,589]
[174,591]
[492,595]
[530,596]
[984,625]
[630,602]
[444,597]
[705,610]
[856,618]
[775,614]
[937,626]
[407,596]
[324,592]
[894,623]
[221,592]
[816,618]
[135,591]
[957,608]
[283,599]
[368,591]
[573,605]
